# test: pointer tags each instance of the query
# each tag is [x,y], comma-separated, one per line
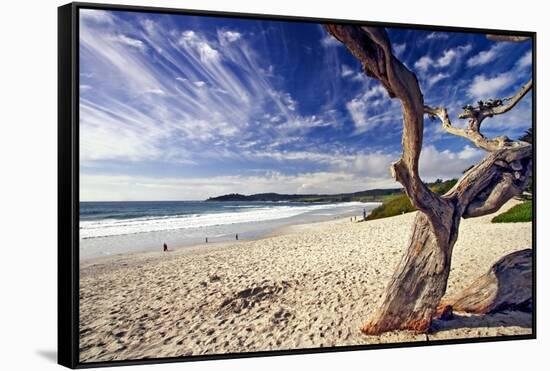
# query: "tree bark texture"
[507,285]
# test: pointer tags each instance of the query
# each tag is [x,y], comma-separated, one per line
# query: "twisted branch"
[491,183]
[483,111]
[507,38]
[476,115]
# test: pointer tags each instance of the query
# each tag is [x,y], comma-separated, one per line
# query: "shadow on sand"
[500,319]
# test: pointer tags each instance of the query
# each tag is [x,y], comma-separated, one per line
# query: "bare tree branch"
[476,115]
[491,183]
[471,133]
[508,38]
[496,107]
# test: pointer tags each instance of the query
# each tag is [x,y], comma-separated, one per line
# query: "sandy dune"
[311,286]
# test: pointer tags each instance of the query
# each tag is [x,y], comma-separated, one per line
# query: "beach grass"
[400,204]
[393,206]
[519,213]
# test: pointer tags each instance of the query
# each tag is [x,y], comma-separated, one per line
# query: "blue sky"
[177,107]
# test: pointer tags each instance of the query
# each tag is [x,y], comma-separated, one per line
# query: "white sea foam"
[114,227]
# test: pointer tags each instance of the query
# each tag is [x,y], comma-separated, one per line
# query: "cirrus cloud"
[484,87]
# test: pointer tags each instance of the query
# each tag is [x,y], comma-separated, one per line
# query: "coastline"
[200,248]
[304,286]
[188,224]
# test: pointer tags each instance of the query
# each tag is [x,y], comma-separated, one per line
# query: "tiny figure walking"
[165,247]
[206,240]
[237,236]
[364,215]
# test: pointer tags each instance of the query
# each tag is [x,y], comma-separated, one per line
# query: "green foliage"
[443,187]
[396,205]
[370,198]
[519,213]
[528,136]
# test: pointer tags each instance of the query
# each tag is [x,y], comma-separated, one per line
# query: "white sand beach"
[307,286]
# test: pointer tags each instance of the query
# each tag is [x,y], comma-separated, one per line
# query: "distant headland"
[373,195]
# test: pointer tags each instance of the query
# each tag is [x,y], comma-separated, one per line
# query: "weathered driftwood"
[420,280]
[507,38]
[507,285]
[476,115]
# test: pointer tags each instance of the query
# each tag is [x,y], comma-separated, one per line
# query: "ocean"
[108,228]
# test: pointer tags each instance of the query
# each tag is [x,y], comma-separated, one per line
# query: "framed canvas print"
[235,185]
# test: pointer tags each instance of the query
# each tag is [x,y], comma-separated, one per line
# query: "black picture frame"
[68,184]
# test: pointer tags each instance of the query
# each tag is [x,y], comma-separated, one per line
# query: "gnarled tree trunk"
[418,284]
[420,280]
[507,285]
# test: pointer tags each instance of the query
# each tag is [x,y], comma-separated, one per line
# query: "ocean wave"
[116,227]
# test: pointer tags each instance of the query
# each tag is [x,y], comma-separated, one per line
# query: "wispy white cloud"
[132,72]
[229,36]
[360,76]
[346,173]
[96,16]
[398,49]
[302,124]
[437,36]
[423,63]
[127,188]
[374,165]
[451,55]
[372,108]
[434,79]
[198,98]
[447,57]
[156,91]
[446,164]
[190,40]
[333,159]
[330,41]
[346,71]
[134,43]
[514,121]
[486,56]
[116,135]
[213,98]
[525,60]
[484,87]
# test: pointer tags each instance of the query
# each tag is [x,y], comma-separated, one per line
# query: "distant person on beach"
[364,214]
[206,240]
[165,247]
[237,236]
